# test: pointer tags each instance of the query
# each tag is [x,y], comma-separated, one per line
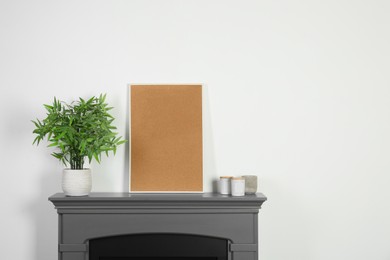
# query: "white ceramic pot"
[76,182]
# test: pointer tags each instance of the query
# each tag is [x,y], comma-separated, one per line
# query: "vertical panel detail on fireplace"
[85,222]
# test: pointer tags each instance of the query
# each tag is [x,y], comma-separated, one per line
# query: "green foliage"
[82,129]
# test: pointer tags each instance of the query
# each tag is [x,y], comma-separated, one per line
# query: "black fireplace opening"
[158,247]
[158,258]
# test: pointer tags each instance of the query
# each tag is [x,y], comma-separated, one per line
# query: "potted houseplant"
[80,130]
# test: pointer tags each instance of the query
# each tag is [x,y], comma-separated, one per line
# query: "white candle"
[225,185]
[238,186]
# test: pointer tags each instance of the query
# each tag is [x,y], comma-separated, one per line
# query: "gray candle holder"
[250,184]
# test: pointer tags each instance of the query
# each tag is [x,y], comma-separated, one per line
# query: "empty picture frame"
[166,138]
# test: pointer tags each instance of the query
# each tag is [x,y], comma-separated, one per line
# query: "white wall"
[297,92]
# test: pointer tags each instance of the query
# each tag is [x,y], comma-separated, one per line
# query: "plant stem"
[76,162]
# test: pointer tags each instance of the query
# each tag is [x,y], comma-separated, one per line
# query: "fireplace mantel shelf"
[124,200]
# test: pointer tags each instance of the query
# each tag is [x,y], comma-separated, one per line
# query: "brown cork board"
[166,138]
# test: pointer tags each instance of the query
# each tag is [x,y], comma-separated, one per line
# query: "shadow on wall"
[210,173]
[44,218]
[127,161]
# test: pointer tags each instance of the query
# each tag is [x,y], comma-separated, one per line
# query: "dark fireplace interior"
[158,247]
[158,258]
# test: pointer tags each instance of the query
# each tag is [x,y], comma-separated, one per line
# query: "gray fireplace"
[126,226]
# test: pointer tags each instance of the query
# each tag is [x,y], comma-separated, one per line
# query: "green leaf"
[48,107]
[121,142]
[36,140]
[90,100]
[96,156]
[105,148]
[82,145]
[53,144]
[35,123]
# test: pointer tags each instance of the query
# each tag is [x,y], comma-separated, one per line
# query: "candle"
[238,186]
[225,185]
